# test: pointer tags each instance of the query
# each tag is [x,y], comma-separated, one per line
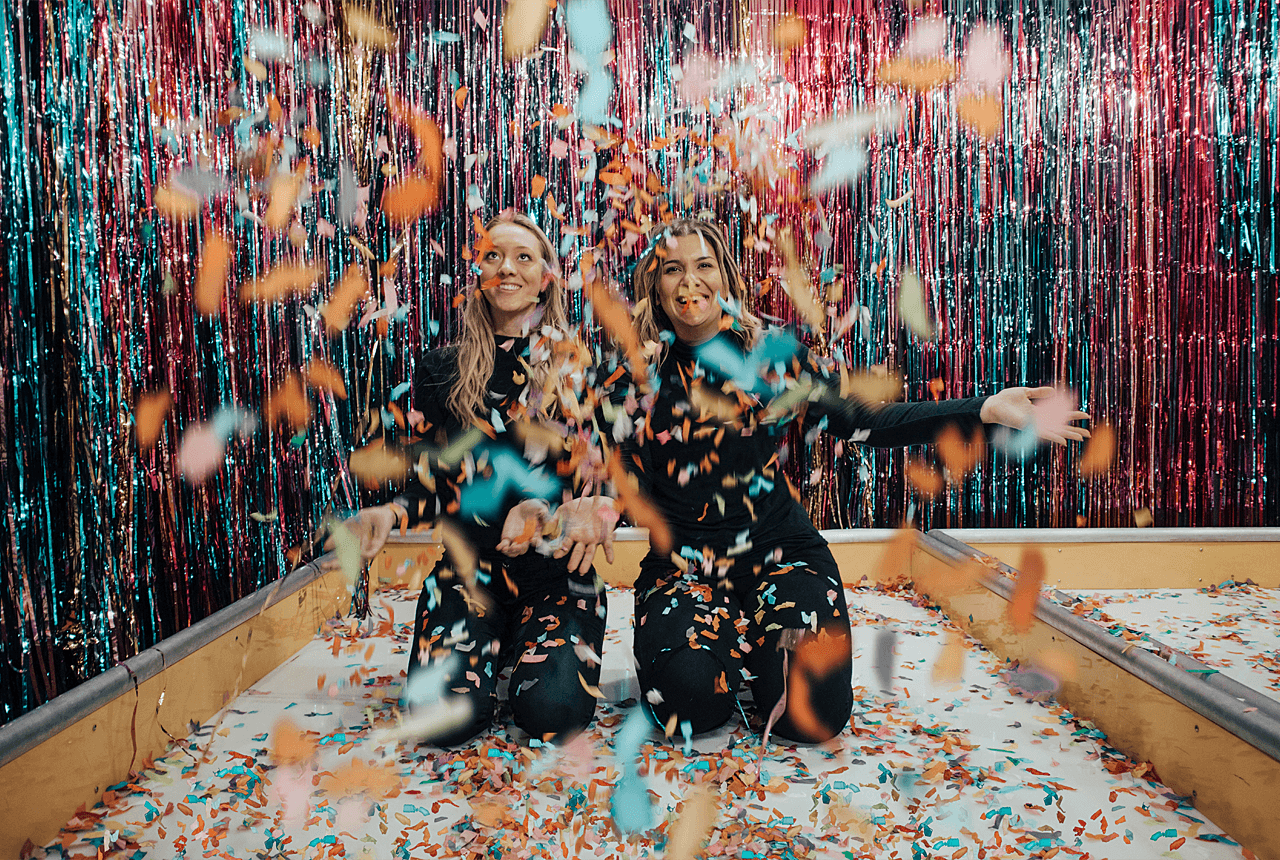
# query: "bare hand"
[523,527]
[1047,409]
[586,525]
[371,527]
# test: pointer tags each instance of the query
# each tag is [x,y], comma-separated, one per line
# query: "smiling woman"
[488,602]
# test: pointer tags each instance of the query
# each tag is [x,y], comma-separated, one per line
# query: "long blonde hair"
[652,320]
[476,340]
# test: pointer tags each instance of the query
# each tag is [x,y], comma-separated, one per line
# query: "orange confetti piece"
[1099,453]
[289,404]
[175,204]
[1057,663]
[281,283]
[924,478]
[789,32]
[460,97]
[211,277]
[537,186]
[950,663]
[291,745]
[148,416]
[353,287]
[360,778]
[911,305]
[798,287]
[1142,518]
[375,464]
[983,114]
[411,198]
[1021,611]
[870,387]
[523,23]
[637,507]
[919,75]
[324,376]
[959,457]
[364,27]
[694,825]
[285,188]
[613,315]
[895,564]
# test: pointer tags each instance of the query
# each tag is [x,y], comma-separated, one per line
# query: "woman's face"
[513,277]
[690,282]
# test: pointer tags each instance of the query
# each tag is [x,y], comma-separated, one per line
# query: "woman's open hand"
[1049,410]
[586,525]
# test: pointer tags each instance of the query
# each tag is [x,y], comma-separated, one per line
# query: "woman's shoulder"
[440,365]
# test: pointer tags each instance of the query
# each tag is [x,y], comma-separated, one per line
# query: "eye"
[524,258]
[491,255]
[705,264]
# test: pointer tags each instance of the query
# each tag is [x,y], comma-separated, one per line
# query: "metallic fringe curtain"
[1118,236]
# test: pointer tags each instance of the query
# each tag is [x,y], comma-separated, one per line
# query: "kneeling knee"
[691,685]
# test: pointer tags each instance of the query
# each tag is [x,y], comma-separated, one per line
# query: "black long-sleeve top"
[496,471]
[716,476]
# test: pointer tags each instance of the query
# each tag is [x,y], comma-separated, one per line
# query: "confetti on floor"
[965,769]
[1232,627]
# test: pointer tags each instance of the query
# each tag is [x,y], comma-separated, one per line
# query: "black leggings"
[695,641]
[537,631]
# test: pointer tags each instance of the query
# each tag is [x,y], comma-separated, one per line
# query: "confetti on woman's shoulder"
[148,416]
[523,23]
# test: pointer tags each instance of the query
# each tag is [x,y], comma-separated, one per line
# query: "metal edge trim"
[1215,696]
[40,724]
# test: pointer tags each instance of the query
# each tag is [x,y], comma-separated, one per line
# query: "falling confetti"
[1021,610]
[149,415]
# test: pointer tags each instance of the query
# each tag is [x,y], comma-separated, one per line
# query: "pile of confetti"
[953,766]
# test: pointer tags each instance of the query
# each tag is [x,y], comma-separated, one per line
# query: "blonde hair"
[652,320]
[476,340]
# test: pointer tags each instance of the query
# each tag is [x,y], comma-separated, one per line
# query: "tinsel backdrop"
[1116,235]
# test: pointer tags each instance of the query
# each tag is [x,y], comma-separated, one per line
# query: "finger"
[563,549]
[588,558]
[1042,391]
[579,550]
[608,545]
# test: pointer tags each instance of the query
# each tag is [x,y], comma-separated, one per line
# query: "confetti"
[353,287]
[639,509]
[324,376]
[1021,611]
[1099,453]
[789,32]
[1142,518]
[911,305]
[365,28]
[291,745]
[288,404]
[630,803]
[693,828]
[983,114]
[211,277]
[949,666]
[282,282]
[924,478]
[797,285]
[523,23]
[958,456]
[149,413]
[377,465]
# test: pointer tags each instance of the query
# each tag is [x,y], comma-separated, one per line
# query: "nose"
[506,265]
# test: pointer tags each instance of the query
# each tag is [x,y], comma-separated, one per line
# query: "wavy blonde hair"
[652,320]
[476,340]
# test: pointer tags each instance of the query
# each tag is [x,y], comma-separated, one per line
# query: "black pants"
[536,630]
[697,640]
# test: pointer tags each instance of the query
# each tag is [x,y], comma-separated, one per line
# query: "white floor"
[970,769]
[1235,629]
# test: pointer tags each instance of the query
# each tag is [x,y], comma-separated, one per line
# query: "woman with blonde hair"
[542,613]
[750,590]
